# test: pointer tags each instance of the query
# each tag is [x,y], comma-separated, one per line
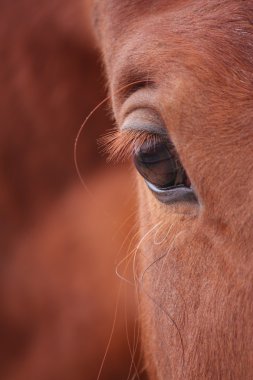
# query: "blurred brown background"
[58,286]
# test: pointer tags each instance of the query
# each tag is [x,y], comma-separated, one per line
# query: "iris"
[159,165]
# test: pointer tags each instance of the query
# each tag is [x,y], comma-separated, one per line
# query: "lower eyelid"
[173,195]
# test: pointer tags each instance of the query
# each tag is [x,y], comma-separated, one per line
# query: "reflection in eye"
[160,166]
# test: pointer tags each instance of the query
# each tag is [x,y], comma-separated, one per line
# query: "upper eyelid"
[152,123]
[144,98]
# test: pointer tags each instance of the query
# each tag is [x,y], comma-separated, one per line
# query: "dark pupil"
[159,165]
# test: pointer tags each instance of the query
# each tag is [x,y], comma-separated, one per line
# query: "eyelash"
[119,146]
[171,182]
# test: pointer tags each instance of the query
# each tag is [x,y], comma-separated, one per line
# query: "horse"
[180,80]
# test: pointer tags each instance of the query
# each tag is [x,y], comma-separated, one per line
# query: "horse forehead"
[120,13]
[126,7]
[139,5]
[135,32]
[118,22]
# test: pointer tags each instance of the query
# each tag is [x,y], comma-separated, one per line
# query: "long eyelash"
[121,145]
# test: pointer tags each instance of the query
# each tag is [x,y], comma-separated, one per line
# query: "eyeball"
[160,166]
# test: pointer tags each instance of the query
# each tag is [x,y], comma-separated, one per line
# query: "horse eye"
[159,165]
